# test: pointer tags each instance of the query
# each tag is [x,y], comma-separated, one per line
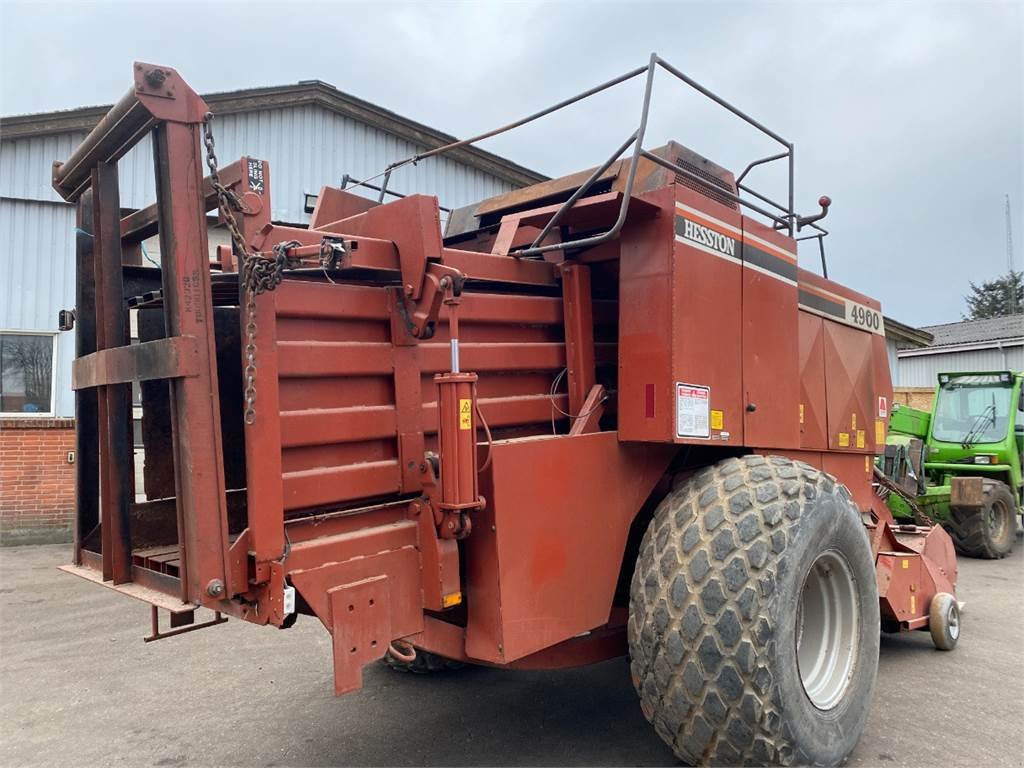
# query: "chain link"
[259,274]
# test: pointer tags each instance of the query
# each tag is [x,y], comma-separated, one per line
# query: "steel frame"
[347,500]
[789,220]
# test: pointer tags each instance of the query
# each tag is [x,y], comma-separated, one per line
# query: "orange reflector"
[447,601]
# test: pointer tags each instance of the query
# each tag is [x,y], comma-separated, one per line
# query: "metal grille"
[705,189]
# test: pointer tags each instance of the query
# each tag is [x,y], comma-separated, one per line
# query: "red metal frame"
[413,469]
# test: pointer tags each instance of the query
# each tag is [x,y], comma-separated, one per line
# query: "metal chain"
[259,274]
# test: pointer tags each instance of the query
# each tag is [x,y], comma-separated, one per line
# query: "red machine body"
[386,430]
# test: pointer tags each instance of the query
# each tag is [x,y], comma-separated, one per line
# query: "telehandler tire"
[754,619]
[986,532]
[424,664]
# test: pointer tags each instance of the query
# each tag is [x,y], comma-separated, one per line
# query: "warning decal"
[693,410]
[465,413]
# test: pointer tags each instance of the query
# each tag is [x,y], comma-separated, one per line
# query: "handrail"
[786,218]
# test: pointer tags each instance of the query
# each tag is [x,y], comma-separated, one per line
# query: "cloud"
[908,114]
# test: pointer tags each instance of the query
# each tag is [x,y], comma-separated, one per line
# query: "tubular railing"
[782,215]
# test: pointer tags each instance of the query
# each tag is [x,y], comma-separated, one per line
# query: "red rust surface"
[353,462]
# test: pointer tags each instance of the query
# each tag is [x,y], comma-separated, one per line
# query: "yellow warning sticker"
[853,422]
[465,413]
[844,439]
[717,419]
[801,413]
[913,603]
[879,432]
[906,564]
[860,438]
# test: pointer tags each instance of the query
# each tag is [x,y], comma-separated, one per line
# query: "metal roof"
[977,331]
[317,92]
[906,335]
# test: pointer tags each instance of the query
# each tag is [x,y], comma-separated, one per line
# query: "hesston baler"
[604,413]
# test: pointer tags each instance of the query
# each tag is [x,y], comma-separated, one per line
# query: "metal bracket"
[180,624]
[360,629]
[420,315]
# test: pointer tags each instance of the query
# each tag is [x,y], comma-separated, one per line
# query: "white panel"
[923,370]
[37,278]
[307,147]
[894,367]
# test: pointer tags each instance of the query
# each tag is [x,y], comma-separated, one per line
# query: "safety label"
[465,413]
[693,410]
[256,180]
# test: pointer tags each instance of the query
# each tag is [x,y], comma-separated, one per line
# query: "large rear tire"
[987,532]
[754,623]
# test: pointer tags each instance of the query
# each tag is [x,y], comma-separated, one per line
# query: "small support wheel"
[422,663]
[944,621]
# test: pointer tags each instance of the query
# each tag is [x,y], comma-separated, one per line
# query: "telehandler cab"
[961,462]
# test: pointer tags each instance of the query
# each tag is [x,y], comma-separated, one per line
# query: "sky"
[909,115]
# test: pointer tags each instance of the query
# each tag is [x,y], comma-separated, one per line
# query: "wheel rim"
[953,621]
[827,630]
[997,520]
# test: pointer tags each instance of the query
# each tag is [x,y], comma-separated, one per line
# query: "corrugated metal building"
[995,344]
[311,134]
[899,336]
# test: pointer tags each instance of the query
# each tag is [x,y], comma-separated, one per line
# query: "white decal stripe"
[815,289]
[712,219]
[731,228]
[769,273]
[766,244]
[734,260]
[843,320]
[712,251]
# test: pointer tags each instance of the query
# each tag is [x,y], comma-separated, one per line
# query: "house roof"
[977,331]
[906,336]
[84,119]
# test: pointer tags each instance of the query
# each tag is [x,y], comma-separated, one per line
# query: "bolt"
[494,527]
[155,78]
[408,289]
[215,588]
[751,407]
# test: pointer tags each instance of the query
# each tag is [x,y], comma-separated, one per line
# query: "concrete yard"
[79,687]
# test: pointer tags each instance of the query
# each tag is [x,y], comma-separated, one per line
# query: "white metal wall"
[894,366]
[923,370]
[307,147]
[37,279]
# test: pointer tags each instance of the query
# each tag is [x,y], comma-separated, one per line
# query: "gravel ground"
[79,687]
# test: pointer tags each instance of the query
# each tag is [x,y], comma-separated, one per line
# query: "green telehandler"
[960,465]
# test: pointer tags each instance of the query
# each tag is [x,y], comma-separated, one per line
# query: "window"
[972,409]
[26,374]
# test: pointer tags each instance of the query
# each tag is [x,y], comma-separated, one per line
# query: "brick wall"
[916,397]
[37,484]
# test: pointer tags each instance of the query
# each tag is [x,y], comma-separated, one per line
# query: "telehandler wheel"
[754,623]
[944,621]
[424,663]
[987,532]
